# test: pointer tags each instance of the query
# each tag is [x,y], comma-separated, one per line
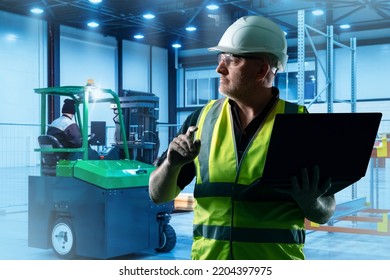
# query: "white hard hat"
[255,35]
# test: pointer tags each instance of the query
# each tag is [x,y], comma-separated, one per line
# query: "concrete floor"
[319,245]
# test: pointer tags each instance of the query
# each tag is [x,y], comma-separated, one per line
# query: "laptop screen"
[339,143]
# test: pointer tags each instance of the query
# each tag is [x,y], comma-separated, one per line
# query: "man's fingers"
[315,175]
[327,185]
[189,138]
[192,129]
[185,145]
[305,178]
[191,132]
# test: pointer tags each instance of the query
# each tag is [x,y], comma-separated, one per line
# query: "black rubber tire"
[63,238]
[167,239]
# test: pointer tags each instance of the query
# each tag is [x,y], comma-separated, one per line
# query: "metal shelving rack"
[328,69]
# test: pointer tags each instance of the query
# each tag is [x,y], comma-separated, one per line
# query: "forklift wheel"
[167,239]
[63,238]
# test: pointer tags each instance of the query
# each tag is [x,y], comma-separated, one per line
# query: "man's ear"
[263,71]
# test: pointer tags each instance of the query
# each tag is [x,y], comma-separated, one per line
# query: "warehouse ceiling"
[369,20]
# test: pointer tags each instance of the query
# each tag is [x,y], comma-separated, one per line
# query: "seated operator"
[65,128]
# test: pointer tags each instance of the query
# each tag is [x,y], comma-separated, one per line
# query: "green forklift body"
[113,174]
[107,174]
[103,203]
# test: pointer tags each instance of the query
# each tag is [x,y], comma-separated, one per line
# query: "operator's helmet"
[255,35]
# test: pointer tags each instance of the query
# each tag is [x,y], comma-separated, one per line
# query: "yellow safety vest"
[232,219]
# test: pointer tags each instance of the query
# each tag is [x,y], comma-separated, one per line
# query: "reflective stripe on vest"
[256,235]
[229,207]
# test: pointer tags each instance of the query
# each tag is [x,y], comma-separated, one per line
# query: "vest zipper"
[233,196]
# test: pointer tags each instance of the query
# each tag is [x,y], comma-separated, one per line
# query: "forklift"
[96,206]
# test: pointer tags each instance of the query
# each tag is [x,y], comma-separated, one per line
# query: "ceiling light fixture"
[176,45]
[212,7]
[317,12]
[149,16]
[36,11]
[95,1]
[93,24]
[191,28]
[345,26]
[11,37]
[139,36]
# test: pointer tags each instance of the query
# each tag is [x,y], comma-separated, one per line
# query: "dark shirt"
[66,131]
[242,135]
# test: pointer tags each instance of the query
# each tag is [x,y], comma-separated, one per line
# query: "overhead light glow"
[11,37]
[176,45]
[97,94]
[93,24]
[345,26]
[317,12]
[149,16]
[191,28]
[212,7]
[139,36]
[36,11]
[95,1]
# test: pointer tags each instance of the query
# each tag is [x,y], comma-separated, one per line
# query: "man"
[65,128]
[233,217]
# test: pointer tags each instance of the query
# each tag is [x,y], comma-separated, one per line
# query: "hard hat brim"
[227,50]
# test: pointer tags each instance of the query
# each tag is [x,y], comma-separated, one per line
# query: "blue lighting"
[318,12]
[36,11]
[139,36]
[93,24]
[212,7]
[149,16]
[191,28]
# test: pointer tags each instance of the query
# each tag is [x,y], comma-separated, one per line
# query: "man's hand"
[183,148]
[309,194]
[310,189]
[163,180]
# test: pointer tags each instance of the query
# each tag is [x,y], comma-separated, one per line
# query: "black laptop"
[339,143]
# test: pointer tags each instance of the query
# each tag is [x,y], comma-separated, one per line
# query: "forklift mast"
[140,115]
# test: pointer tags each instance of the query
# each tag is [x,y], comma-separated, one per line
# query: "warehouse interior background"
[339,61]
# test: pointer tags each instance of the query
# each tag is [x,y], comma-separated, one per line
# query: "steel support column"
[53,68]
[120,66]
[330,68]
[301,57]
[353,74]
